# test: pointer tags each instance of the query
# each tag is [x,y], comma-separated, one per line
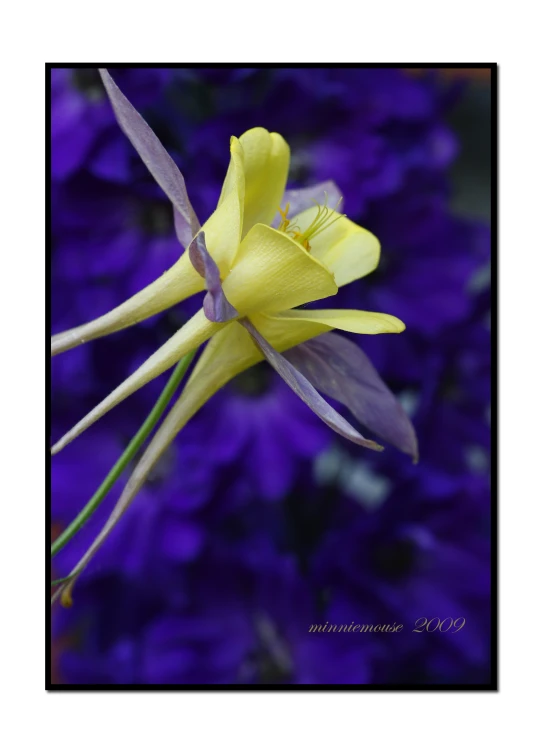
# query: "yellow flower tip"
[66,596]
[235,145]
[392,325]
[257,131]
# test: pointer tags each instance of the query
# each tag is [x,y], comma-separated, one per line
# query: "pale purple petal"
[340,369]
[304,389]
[159,163]
[216,306]
[304,198]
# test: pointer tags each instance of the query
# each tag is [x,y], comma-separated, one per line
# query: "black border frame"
[490,686]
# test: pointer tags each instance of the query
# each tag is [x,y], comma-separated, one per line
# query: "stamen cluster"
[325,217]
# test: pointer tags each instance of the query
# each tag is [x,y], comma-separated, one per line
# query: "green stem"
[60,581]
[149,424]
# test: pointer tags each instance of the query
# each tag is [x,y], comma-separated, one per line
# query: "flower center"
[325,217]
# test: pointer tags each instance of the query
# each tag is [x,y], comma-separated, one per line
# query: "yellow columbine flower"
[266,273]
[256,275]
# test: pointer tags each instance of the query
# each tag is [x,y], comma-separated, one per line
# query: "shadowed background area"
[259,521]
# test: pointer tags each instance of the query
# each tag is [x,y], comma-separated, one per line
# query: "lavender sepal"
[216,306]
[305,390]
[161,166]
[340,369]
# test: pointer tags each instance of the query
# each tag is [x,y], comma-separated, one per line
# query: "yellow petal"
[179,282]
[195,332]
[297,323]
[272,273]
[348,250]
[266,163]
[227,354]
[223,228]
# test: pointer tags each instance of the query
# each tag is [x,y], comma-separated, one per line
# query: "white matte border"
[164,32]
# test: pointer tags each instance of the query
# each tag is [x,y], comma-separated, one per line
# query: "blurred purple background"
[260,521]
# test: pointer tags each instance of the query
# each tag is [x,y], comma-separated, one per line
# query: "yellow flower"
[266,274]
[262,254]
